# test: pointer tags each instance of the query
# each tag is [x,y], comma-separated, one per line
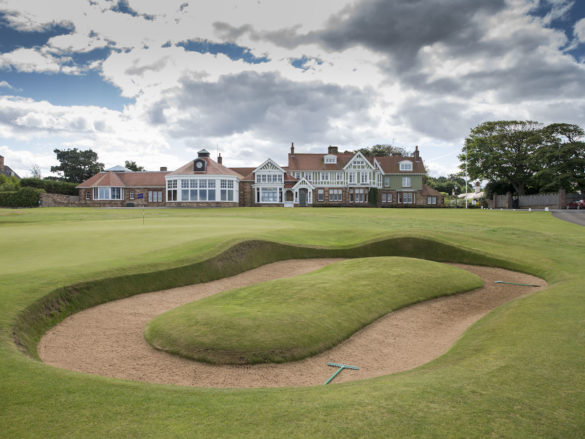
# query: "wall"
[59,200]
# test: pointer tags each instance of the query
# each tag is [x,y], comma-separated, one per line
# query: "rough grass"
[290,319]
[517,373]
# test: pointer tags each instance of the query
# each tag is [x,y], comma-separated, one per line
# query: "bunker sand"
[108,339]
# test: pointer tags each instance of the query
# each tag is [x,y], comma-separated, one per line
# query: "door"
[303,197]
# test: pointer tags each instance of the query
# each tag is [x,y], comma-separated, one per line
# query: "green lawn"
[518,372]
[290,319]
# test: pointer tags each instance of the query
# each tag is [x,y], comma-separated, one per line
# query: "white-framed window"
[358,196]
[405,197]
[335,195]
[184,184]
[309,176]
[171,190]
[87,195]
[365,177]
[131,195]
[386,197]
[108,193]
[406,166]
[386,181]
[320,195]
[431,200]
[269,195]
[406,182]
[325,176]
[340,177]
[226,190]
[351,179]
[330,159]
[155,196]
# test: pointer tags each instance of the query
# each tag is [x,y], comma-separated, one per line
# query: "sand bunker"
[107,339]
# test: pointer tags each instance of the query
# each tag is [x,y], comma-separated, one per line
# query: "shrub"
[50,186]
[25,197]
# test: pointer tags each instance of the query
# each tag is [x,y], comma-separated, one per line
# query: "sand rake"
[341,367]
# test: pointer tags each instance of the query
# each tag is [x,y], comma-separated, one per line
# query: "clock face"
[199,165]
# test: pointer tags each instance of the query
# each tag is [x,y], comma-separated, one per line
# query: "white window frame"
[320,195]
[406,182]
[102,193]
[432,199]
[406,165]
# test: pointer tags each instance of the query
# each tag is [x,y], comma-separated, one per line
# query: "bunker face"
[107,340]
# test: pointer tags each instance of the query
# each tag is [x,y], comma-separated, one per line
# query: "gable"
[268,166]
[358,162]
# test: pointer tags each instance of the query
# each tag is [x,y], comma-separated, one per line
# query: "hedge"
[25,197]
[50,186]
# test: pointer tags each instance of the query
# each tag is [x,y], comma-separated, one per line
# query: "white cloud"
[4,84]
[386,74]
[580,30]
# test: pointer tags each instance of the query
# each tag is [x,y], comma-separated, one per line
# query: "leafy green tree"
[561,158]
[77,166]
[447,184]
[9,184]
[133,166]
[382,150]
[503,151]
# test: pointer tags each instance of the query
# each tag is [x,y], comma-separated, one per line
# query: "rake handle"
[335,374]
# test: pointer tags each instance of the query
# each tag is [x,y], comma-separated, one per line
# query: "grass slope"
[290,319]
[517,373]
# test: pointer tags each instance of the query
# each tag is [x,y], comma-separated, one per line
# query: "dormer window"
[406,166]
[330,159]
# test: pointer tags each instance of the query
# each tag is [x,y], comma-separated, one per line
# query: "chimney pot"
[163,168]
[416,153]
[292,148]
[219,158]
[332,150]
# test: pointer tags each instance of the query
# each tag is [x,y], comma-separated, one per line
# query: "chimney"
[1,163]
[292,148]
[163,169]
[477,187]
[219,159]
[332,150]
[416,154]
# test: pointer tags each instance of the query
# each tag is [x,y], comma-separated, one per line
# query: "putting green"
[290,319]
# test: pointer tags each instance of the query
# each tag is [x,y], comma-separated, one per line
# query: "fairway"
[517,372]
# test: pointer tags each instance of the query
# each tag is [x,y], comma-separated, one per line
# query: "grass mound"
[290,319]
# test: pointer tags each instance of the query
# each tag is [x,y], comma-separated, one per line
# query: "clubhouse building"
[328,179]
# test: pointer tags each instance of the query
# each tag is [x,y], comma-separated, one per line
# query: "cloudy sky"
[155,81]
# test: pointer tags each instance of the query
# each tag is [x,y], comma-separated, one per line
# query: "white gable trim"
[268,161]
[303,183]
[355,157]
[378,165]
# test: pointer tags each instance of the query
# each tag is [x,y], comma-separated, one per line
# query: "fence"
[555,200]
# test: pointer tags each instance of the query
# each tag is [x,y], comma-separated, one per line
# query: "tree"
[36,171]
[382,150]
[447,184]
[561,158]
[502,151]
[77,166]
[133,166]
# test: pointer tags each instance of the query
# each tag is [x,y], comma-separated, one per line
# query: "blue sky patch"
[124,8]
[233,51]
[301,63]
[62,89]
[565,23]
[12,39]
